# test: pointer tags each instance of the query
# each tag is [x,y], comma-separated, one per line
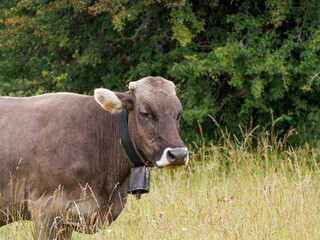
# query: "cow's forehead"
[152,85]
[156,92]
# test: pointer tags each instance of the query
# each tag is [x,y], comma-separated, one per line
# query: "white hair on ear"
[174,87]
[108,100]
[132,85]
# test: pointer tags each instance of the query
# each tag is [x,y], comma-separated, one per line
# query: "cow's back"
[52,140]
[40,125]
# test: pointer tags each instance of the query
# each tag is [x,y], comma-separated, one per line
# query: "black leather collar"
[126,141]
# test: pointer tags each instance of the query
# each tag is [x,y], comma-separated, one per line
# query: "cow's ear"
[114,101]
[108,100]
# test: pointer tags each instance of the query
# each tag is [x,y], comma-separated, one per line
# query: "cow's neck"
[126,141]
[113,165]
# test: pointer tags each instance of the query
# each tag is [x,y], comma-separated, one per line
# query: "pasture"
[229,191]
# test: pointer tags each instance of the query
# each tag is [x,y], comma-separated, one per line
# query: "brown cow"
[61,160]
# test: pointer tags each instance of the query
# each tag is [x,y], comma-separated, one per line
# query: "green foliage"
[238,61]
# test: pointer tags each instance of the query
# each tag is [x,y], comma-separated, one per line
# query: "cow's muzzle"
[173,157]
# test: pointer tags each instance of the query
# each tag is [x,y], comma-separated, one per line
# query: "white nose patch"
[168,157]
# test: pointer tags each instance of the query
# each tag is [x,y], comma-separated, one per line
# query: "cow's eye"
[145,115]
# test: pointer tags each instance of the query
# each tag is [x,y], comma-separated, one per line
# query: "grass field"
[229,191]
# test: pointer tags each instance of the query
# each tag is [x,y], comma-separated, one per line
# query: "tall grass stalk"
[231,190]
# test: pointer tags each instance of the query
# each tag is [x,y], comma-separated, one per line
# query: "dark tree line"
[238,61]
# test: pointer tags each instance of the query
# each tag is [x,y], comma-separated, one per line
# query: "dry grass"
[248,201]
[229,191]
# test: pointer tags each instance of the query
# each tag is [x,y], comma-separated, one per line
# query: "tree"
[237,61]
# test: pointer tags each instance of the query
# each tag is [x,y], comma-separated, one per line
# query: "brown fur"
[68,141]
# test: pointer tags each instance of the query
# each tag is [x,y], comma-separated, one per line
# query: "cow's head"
[154,112]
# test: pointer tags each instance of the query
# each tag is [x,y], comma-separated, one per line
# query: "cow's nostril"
[171,156]
[177,156]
